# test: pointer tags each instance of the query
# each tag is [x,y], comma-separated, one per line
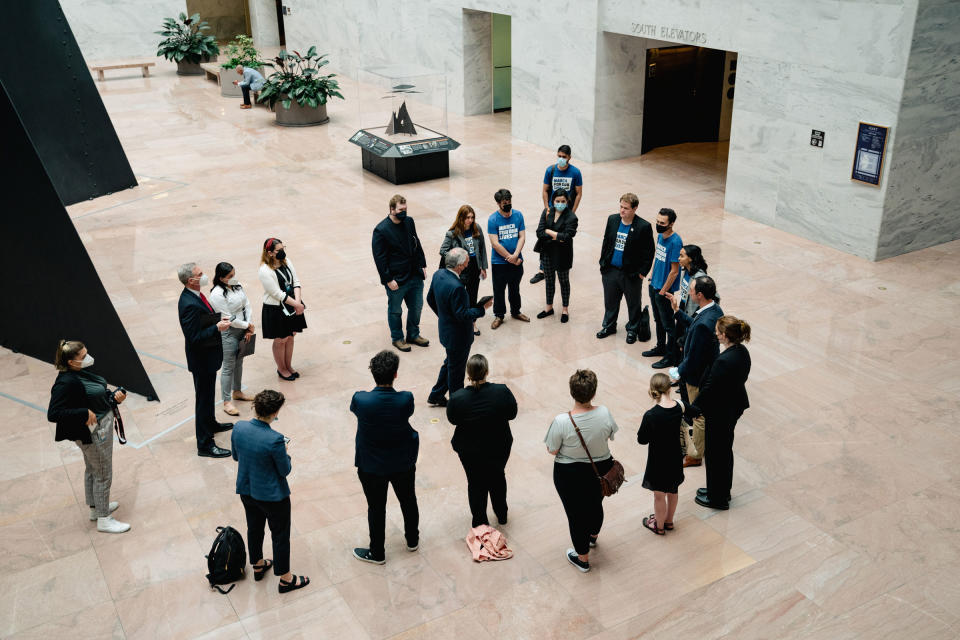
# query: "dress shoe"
[538,277]
[704,501]
[564,317]
[214,452]
[690,461]
[223,426]
[420,341]
[437,401]
[544,314]
[401,345]
[246,106]
[229,409]
[606,331]
[291,377]
[702,492]
[662,363]
[93,511]
[496,323]
[476,332]
[109,525]
[656,351]
[520,317]
[631,337]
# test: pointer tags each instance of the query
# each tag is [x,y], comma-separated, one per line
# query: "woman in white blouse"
[228,298]
[282,316]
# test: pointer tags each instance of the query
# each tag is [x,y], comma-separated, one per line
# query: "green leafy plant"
[184,41]
[240,51]
[298,78]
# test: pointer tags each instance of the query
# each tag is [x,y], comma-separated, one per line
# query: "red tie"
[204,298]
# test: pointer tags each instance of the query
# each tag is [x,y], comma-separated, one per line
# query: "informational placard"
[868,159]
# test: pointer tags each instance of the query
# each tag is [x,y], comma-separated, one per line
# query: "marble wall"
[118,29]
[923,188]
[263,23]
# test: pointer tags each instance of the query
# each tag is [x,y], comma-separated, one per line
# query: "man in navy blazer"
[386,455]
[700,349]
[449,300]
[204,356]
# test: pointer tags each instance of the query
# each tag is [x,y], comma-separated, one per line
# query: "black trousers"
[506,276]
[277,515]
[579,491]
[718,443]
[246,94]
[617,285]
[375,490]
[451,373]
[204,387]
[471,280]
[485,477]
[666,326]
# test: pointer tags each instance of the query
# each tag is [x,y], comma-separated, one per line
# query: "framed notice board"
[868,158]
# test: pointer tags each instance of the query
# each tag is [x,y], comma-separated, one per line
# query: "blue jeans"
[410,292]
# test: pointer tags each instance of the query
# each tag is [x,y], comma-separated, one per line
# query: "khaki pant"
[698,425]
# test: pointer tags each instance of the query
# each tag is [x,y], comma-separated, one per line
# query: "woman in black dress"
[282,315]
[558,225]
[664,473]
[482,414]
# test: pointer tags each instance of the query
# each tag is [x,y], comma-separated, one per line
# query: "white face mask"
[87,361]
[204,280]
[233,282]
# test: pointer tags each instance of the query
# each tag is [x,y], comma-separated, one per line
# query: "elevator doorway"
[688,96]
[500,38]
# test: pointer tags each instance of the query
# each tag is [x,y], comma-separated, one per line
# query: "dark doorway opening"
[283,37]
[683,96]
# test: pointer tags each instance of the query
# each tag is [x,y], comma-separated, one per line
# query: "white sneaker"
[93,511]
[109,525]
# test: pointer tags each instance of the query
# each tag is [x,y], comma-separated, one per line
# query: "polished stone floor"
[846,495]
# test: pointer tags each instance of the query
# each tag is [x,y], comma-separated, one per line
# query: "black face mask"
[662,227]
[400,215]
[281,255]
[506,207]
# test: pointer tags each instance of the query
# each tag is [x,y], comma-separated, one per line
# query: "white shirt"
[233,303]
[272,293]
[704,307]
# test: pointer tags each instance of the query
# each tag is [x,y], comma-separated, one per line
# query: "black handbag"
[644,334]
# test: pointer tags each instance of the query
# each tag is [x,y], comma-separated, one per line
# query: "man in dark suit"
[625,259]
[402,266]
[449,300]
[700,349]
[204,356]
[386,454]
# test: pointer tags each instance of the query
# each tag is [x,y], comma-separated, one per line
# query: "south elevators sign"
[868,159]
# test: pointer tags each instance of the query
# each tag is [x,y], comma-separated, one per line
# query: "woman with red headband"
[282,316]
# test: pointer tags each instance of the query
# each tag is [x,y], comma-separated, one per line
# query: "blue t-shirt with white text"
[507,230]
[618,245]
[567,180]
[668,251]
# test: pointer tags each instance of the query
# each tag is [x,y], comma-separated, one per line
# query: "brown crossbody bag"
[609,482]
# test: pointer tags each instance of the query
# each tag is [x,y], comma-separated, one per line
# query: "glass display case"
[403,122]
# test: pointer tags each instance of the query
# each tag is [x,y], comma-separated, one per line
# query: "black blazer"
[560,250]
[449,300]
[203,346]
[723,394]
[386,443]
[482,418]
[68,408]
[397,260]
[700,347]
[638,251]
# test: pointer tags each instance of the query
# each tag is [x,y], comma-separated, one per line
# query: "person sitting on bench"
[252,81]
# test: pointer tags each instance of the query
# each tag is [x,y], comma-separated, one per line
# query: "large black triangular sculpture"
[400,121]
[57,292]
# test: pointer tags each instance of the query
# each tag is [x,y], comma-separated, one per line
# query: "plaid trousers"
[550,284]
[98,457]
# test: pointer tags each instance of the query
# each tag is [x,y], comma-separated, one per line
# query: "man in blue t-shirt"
[664,279]
[561,175]
[507,234]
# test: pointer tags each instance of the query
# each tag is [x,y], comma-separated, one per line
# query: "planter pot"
[227,88]
[185,68]
[297,116]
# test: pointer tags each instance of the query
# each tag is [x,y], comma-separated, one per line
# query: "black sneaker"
[438,401]
[631,337]
[658,350]
[413,547]
[364,555]
[575,560]
[539,277]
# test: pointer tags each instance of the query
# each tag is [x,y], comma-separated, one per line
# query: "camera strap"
[118,425]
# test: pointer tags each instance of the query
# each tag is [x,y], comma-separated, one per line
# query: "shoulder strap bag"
[609,482]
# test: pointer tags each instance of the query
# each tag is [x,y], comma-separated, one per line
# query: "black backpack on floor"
[227,559]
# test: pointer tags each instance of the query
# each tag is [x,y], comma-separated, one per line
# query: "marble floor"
[846,494]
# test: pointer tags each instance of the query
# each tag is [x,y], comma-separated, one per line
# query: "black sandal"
[259,572]
[667,526]
[651,520]
[298,582]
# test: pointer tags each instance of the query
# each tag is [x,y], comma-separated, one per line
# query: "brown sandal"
[652,520]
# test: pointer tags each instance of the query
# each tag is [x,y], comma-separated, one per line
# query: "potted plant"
[240,52]
[185,44]
[300,88]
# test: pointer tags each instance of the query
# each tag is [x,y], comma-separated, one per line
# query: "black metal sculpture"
[400,121]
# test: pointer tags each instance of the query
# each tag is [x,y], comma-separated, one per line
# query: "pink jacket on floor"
[486,543]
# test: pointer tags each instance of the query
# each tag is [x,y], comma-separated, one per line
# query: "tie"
[204,298]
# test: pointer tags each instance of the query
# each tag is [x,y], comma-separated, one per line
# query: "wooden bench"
[144,68]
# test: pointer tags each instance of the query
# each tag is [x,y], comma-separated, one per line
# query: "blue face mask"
[560,206]
[562,163]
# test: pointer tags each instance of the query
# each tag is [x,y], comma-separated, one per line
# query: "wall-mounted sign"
[816,138]
[868,158]
[673,34]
